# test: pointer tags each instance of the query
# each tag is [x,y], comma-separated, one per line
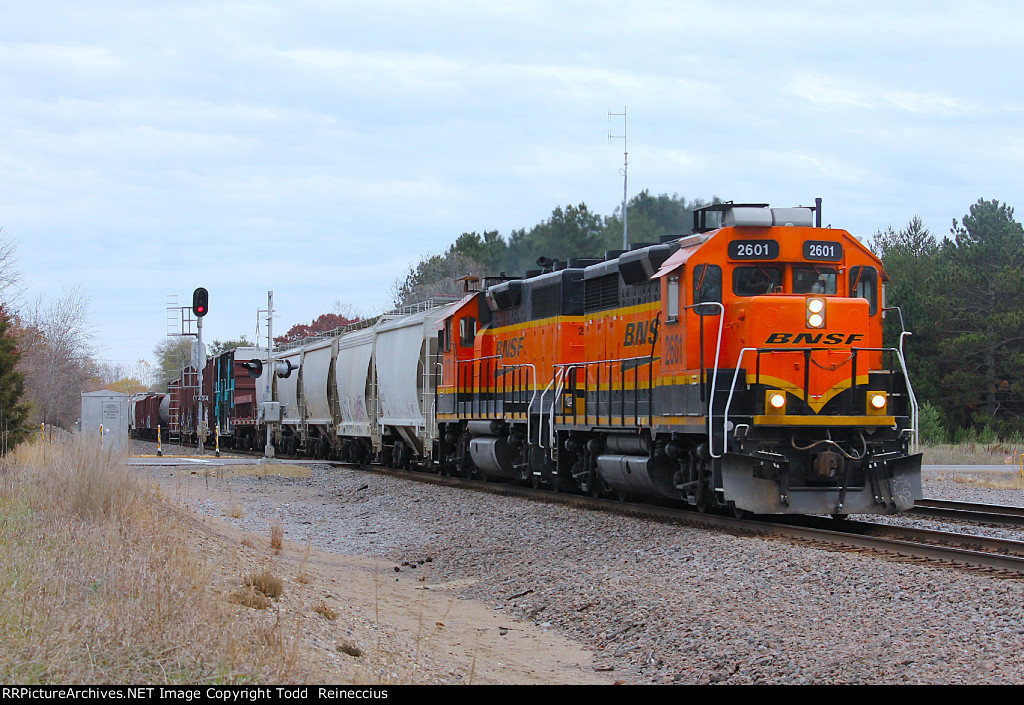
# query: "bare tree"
[57,356]
[130,378]
[434,276]
[11,285]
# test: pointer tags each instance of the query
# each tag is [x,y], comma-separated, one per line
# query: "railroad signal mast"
[200,307]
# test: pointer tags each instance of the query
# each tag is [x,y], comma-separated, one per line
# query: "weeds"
[98,583]
[325,611]
[266,583]
[276,536]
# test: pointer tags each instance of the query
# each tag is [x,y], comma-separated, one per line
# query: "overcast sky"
[318,148]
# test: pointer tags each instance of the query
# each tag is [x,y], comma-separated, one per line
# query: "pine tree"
[13,410]
[981,280]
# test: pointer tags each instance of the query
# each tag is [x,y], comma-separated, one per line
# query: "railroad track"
[999,514]
[1002,556]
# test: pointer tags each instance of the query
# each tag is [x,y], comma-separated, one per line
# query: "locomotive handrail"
[494,368]
[714,376]
[775,351]
[560,377]
[915,417]
[540,405]
[585,365]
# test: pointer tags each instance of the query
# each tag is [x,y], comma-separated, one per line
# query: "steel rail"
[969,511]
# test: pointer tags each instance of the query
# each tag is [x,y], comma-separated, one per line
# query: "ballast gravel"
[662,603]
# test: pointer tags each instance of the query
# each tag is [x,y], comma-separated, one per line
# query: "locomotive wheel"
[535,480]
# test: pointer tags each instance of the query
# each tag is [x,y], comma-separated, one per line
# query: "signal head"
[200,302]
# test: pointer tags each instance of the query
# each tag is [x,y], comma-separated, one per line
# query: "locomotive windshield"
[814,280]
[753,281]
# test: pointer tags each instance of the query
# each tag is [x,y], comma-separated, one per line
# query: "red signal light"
[200,302]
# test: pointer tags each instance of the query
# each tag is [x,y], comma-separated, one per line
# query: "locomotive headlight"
[775,402]
[815,313]
[877,402]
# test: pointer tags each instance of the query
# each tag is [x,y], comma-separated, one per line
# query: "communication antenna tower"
[624,171]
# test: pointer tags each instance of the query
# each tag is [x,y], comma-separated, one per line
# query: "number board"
[753,249]
[824,251]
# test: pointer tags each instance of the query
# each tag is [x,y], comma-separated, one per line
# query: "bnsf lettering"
[511,347]
[813,338]
[641,333]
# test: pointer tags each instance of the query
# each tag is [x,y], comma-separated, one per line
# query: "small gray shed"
[112,411]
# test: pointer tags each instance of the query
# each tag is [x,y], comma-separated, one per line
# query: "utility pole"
[625,173]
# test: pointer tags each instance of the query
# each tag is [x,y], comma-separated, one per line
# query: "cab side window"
[864,285]
[707,286]
[467,331]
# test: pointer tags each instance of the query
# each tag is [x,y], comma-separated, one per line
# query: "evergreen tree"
[570,232]
[979,305]
[651,218]
[910,257]
[13,410]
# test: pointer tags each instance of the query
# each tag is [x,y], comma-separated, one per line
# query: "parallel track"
[968,511]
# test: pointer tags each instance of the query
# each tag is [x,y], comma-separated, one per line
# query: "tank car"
[739,368]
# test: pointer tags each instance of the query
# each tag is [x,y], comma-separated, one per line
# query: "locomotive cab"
[806,410]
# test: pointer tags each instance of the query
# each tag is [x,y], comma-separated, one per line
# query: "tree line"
[572,231]
[962,299]
[47,358]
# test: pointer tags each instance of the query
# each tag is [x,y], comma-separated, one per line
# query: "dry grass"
[325,611]
[972,454]
[266,583]
[276,536]
[98,583]
[995,480]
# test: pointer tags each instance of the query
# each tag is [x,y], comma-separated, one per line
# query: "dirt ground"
[357,620]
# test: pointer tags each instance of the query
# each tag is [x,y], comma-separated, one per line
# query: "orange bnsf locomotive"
[741,367]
